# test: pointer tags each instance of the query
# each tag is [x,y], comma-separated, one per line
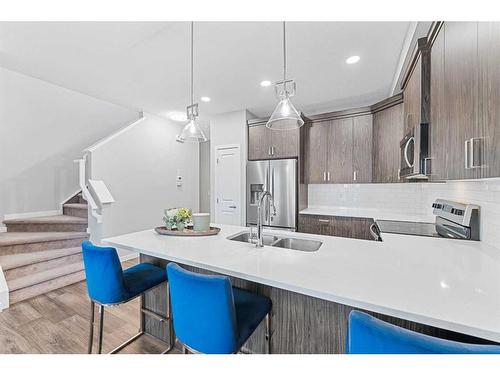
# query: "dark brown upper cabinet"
[439,119]
[264,143]
[387,133]
[259,142]
[340,144]
[362,153]
[461,98]
[416,87]
[412,94]
[489,96]
[316,152]
[465,99]
[339,150]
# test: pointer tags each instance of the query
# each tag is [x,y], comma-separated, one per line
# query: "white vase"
[201,222]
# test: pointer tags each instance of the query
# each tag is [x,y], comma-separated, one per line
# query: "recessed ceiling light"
[265,83]
[352,60]
[205,99]
[177,116]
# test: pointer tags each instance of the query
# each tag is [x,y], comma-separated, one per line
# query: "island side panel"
[300,324]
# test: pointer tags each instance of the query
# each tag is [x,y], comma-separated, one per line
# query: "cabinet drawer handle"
[328,176]
[355,176]
[272,150]
[478,142]
[467,165]
[323,220]
[324,176]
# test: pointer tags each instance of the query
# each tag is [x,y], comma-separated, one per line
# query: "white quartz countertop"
[373,213]
[451,284]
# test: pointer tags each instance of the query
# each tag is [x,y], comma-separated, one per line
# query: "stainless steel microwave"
[414,148]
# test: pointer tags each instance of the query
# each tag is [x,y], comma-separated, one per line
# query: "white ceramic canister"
[201,222]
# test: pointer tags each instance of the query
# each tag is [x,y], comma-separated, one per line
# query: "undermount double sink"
[282,241]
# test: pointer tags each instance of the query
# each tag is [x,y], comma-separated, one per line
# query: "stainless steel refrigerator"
[279,177]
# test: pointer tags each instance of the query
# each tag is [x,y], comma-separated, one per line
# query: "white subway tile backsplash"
[416,199]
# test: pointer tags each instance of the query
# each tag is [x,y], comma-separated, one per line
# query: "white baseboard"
[25,215]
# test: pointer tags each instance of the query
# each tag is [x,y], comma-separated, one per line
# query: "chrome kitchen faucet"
[260,242]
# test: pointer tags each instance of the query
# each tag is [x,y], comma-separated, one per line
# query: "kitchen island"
[447,288]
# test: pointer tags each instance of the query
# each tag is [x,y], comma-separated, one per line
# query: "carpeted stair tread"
[56,219]
[40,277]
[82,206]
[18,238]
[24,259]
[45,287]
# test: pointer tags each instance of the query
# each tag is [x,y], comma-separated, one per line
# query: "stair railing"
[94,208]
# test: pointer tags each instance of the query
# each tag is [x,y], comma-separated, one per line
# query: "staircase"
[42,254]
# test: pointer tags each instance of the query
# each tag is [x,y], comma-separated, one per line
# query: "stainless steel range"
[453,220]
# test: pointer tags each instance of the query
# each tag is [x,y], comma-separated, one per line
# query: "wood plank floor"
[58,322]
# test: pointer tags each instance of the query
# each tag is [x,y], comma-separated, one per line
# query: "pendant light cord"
[192,69]
[284,52]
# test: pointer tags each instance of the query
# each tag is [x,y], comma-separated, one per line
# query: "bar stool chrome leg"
[143,312]
[101,327]
[138,334]
[91,333]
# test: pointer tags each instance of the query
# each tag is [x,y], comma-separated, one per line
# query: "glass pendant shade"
[192,133]
[285,116]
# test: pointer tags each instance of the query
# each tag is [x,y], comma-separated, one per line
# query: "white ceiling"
[145,65]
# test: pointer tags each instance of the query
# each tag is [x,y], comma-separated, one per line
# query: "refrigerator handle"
[272,182]
[272,193]
[268,188]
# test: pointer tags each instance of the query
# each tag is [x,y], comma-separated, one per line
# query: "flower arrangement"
[178,217]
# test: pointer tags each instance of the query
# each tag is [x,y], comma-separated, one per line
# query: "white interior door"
[228,185]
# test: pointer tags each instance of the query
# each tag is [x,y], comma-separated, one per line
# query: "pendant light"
[285,116]
[192,132]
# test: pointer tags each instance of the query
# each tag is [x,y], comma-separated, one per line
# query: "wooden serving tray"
[188,232]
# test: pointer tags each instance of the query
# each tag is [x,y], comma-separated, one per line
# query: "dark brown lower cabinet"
[301,324]
[338,226]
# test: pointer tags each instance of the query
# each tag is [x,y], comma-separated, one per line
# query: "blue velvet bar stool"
[109,285]
[212,317]
[369,335]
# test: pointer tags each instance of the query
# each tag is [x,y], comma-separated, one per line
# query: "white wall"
[139,167]
[416,199]
[43,128]
[229,128]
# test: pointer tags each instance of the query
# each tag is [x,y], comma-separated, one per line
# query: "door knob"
[232,206]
